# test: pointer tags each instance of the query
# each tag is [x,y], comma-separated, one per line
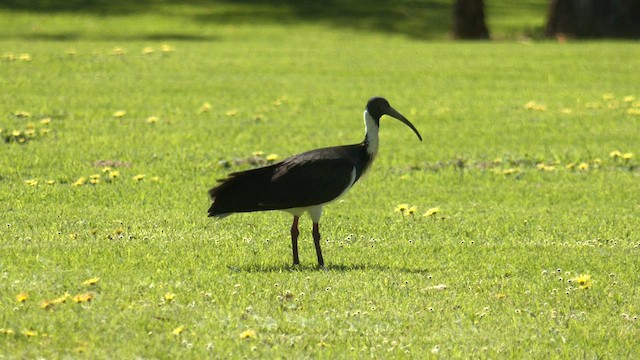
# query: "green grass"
[508,238]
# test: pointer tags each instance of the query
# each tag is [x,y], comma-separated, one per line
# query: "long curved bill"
[392,112]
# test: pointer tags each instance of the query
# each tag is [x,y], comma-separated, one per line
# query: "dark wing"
[307,179]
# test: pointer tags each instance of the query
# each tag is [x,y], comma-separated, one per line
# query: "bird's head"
[378,106]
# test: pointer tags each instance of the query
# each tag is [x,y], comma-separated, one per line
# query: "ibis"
[306,182]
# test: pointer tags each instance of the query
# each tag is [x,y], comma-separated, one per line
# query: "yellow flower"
[179,330]
[411,210]
[583,166]
[168,297]
[118,51]
[627,156]
[155,179]
[31,182]
[258,153]
[205,107]
[152,119]
[114,174]
[119,114]
[545,167]
[401,208]
[166,48]
[81,181]
[148,50]
[29,333]
[21,113]
[106,169]
[571,166]
[232,112]
[24,57]
[91,282]
[248,334]
[71,52]
[45,121]
[583,281]
[432,212]
[86,297]
[607,97]
[22,297]
[615,154]
[510,171]
[50,182]
[633,111]
[138,177]
[532,105]
[6,331]
[629,99]
[272,157]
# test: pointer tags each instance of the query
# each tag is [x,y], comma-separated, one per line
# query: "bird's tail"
[241,192]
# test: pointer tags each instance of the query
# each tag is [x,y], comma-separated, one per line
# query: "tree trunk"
[468,20]
[594,18]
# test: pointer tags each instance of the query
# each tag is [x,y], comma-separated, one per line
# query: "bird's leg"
[294,240]
[316,241]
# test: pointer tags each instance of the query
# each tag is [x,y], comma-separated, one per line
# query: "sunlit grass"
[512,230]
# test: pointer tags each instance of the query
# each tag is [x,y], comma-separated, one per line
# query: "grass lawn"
[520,236]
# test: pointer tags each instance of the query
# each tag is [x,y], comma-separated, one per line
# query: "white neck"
[371,134]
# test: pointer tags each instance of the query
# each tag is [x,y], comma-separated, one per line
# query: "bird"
[306,182]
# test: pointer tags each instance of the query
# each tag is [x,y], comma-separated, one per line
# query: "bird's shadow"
[284,268]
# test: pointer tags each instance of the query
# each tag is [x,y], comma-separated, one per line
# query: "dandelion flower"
[205,107]
[258,153]
[91,282]
[583,166]
[272,157]
[22,297]
[50,182]
[615,154]
[147,50]
[86,297]
[166,48]
[71,52]
[629,99]
[106,169]
[532,105]
[627,156]
[232,112]
[119,114]
[412,210]
[45,121]
[81,181]
[179,330]
[401,208]
[22,114]
[114,174]
[583,281]
[248,334]
[168,297]
[118,51]
[152,119]
[510,171]
[138,177]
[31,182]
[6,331]
[566,111]
[633,111]
[29,333]
[155,179]
[432,212]
[24,57]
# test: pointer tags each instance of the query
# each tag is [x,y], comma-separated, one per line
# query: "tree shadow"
[414,18]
